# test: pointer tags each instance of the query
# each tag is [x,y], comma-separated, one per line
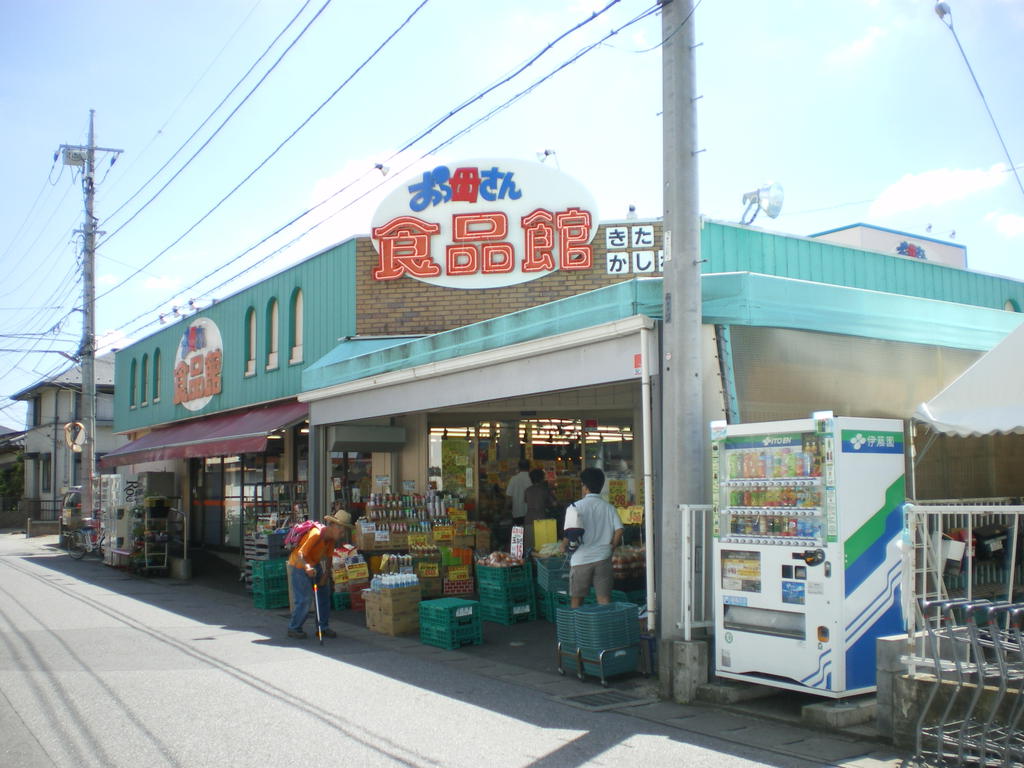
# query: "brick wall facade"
[408,306]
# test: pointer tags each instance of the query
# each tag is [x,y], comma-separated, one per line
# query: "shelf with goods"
[433,529]
[152,533]
[269,508]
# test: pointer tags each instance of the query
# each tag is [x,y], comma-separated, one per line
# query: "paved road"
[101,668]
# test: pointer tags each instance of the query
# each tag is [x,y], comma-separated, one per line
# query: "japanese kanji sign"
[484,224]
[197,364]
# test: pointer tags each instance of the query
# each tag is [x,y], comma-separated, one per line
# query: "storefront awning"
[225,434]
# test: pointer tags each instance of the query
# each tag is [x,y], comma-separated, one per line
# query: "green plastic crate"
[448,612]
[552,573]
[503,576]
[339,600]
[269,568]
[267,600]
[508,613]
[510,593]
[452,638]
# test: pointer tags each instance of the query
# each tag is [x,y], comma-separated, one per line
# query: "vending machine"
[807,558]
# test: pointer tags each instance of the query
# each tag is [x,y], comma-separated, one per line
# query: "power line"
[181,103]
[946,16]
[279,147]
[213,112]
[207,142]
[644,14]
[433,126]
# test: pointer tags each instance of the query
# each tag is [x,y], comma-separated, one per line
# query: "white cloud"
[857,50]
[1008,224]
[936,187]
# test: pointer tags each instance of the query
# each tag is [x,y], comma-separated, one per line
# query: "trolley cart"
[942,636]
[1003,745]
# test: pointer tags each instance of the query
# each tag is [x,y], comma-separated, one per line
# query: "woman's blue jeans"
[302,594]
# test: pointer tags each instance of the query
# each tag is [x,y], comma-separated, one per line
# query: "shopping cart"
[976,656]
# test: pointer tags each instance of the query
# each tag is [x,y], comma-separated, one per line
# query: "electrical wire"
[943,11]
[214,110]
[211,138]
[159,132]
[639,17]
[279,147]
[433,126]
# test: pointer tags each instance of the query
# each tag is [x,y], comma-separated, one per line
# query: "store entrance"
[475,462]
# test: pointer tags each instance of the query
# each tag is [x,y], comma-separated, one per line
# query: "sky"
[250,130]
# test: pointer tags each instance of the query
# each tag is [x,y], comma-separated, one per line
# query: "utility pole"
[684,432]
[85,158]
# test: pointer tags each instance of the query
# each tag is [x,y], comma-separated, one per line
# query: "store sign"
[198,364]
[484,224]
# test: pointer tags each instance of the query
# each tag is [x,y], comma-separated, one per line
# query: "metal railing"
[698,608]
[40,509]
[966,548]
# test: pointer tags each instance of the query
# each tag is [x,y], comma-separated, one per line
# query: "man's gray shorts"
[597,575]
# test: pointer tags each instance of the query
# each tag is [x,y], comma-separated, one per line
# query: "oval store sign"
[484,224]
[197,364]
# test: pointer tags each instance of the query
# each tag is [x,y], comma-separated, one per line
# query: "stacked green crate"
[600,640]
[552,577]
[270,583]
[507,594]
[608,637]
[450,622]
[340,600]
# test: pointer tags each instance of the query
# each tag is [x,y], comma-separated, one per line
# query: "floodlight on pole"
[767,198]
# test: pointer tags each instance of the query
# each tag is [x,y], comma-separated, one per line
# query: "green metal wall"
[732,248]
[327,281]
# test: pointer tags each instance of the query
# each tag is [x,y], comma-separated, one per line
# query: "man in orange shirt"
[308,563]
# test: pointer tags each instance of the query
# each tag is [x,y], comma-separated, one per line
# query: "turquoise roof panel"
[745,298]
[614,302]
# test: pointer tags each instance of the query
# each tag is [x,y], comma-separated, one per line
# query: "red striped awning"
[225,434]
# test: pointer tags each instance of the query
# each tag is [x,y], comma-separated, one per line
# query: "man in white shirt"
[602,532]
[516,492]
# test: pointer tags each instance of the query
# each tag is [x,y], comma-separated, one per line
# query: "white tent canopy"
[985,399]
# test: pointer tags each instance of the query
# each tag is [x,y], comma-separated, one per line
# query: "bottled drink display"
[772,494]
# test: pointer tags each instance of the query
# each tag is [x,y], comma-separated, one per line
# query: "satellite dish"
[767,198]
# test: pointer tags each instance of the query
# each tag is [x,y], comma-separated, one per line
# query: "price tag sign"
[427,570]
[458,515]
[419,540]
[633,515]
[458,572]
[357,571]
[444,533]
[517,541]
[382,536]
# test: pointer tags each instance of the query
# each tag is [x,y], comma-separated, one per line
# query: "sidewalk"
[524,654]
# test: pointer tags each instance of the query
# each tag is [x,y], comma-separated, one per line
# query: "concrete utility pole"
[85,158]
[684,433]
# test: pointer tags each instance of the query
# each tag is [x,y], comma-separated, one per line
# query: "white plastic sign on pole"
[517,541]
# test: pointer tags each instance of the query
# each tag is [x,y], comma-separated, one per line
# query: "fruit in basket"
[500,560]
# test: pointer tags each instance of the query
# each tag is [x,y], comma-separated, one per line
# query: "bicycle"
[89,538]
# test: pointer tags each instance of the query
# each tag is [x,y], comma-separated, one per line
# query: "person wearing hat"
[309,564]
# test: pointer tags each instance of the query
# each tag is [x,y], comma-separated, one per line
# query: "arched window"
[144,381]
[132,375]
[156,376]
[250,342]
[295,342]
[273,334]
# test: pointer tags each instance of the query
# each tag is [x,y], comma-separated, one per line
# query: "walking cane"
[316,601]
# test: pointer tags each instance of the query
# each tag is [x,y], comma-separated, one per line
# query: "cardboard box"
[393,611]
[404,624]
[394,602]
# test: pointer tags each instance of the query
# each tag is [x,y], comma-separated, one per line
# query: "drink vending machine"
[807,563]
